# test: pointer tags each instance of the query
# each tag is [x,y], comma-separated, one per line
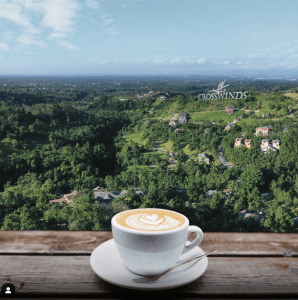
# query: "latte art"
[144,222]
[150,219]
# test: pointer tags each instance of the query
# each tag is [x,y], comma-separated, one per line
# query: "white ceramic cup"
[153,252]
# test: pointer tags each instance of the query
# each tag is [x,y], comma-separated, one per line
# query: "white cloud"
[57,35]
[157,60]
[227,62]
[3,46]
[176,60]
[108,21]
[240,62]
[181,60]
[201,61]
[110,30]
[7,35]
[28,40]
[12,11]
[20,13]
[59,15]
[66,44]
[33,15]
[254,55]
[107,25]
[92,3]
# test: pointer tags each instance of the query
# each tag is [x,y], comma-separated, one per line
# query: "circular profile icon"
[7,290]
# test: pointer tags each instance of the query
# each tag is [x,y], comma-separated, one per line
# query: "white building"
[276,143]
[174,123]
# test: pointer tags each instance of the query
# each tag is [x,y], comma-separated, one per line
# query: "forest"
[59,135]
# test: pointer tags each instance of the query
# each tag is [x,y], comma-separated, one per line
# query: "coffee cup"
[151,240]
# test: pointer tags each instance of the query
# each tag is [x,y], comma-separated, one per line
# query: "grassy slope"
[293,96]
[135,137]
[214,116]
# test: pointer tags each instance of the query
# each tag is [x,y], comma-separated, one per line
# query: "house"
[229,110]
[247,143]
[142,193]
[205,157]
[238,142]
[162,97]
[209,194]
[264,143]
[174,123]
[180,189]
[264,131]
[246,214]
[151,111]
[228,193]
[183,118]
[229,126]
[99,189]
[267,130]
[258,131]
[276,143]
[266,114]
[67,198]
[284,129]
[265,195]
[237,120]
[106,197]
[266,146]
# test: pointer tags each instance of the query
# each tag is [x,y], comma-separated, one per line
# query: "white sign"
[220,93]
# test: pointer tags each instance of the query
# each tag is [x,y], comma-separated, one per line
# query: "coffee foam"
[151,220]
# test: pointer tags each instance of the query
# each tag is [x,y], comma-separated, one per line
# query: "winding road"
[222,159]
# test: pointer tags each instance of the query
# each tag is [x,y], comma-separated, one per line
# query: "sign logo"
[220,93]
[220,88]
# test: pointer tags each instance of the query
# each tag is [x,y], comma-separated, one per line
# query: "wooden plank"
[84,242]
[225,276]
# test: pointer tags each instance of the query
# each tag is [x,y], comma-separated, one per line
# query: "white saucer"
[108,265]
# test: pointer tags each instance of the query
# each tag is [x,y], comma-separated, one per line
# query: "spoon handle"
[154,278]
[201,256]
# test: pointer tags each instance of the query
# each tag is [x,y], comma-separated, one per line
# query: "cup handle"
[190,245]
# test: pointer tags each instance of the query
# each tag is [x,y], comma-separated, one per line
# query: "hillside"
[121,141]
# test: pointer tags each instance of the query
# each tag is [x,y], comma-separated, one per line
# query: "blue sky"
[90,37]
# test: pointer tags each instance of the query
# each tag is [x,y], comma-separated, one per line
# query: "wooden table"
[57,264]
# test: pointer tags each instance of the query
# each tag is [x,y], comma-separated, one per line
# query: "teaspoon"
[154,278]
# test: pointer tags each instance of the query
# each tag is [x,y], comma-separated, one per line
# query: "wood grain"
[57,263]
[84,242]
[225,276]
